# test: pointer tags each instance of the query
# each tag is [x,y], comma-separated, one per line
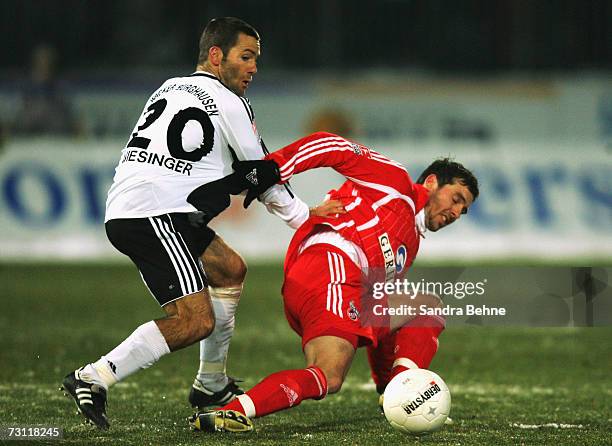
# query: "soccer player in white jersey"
[167,186]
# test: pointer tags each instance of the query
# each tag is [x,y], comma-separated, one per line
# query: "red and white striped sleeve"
[354,161]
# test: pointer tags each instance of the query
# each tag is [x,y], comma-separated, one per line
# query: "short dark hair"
[448,171]
[223,32]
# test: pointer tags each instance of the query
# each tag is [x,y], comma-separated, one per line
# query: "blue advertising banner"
[536,202]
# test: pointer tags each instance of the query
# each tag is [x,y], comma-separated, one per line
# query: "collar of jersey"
[206,74]
[421,196]
[211,76]
[419,219]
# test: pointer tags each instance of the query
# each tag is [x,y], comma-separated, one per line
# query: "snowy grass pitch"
[509,385]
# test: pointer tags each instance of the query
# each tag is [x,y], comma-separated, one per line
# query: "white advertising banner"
[536,202]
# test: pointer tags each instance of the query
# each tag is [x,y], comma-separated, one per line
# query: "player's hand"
[328,208]
[256,176]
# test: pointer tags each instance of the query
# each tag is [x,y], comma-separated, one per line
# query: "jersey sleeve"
[356,162]
[279,201]
[240,132]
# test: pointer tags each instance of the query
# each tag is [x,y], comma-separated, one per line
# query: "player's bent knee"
[224,266]
[333,356]
[334,378]
[334,383]
[238,269]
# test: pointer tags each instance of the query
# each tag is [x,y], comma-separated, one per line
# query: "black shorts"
[166,249]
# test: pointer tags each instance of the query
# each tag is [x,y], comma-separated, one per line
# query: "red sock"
[416,343]
[281,390]
[381,361]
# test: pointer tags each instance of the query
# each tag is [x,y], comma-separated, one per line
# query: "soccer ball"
[417,401]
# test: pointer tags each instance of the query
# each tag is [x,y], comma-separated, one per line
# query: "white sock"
[214,349]
[144,347]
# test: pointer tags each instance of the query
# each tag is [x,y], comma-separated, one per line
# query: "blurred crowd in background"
[72,67]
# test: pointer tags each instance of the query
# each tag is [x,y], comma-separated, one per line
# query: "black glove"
[210,199]
[257,176]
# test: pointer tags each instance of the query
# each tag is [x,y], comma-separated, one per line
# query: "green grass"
[56,318]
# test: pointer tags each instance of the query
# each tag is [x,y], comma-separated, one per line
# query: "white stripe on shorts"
[195,269]
[337,277]
[176,253]
[331,280]
[342,280]
[182,256]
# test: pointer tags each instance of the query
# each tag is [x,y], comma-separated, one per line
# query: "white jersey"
[188,134]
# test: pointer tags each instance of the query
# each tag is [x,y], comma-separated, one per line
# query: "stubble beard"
[230,78]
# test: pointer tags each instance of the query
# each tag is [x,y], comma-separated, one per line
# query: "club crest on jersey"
[252,177]
[388,257]
[353,312]
[400,259]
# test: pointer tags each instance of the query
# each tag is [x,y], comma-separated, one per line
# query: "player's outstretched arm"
[214,197]
[354,161]
[210,200]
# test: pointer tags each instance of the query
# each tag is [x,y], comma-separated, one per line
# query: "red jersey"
[380,199]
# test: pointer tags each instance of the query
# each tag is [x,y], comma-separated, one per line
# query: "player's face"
[446,204]
[240,65]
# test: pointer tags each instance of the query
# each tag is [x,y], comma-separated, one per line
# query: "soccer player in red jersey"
[333,263]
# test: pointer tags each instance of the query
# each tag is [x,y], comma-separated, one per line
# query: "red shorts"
[322,295]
